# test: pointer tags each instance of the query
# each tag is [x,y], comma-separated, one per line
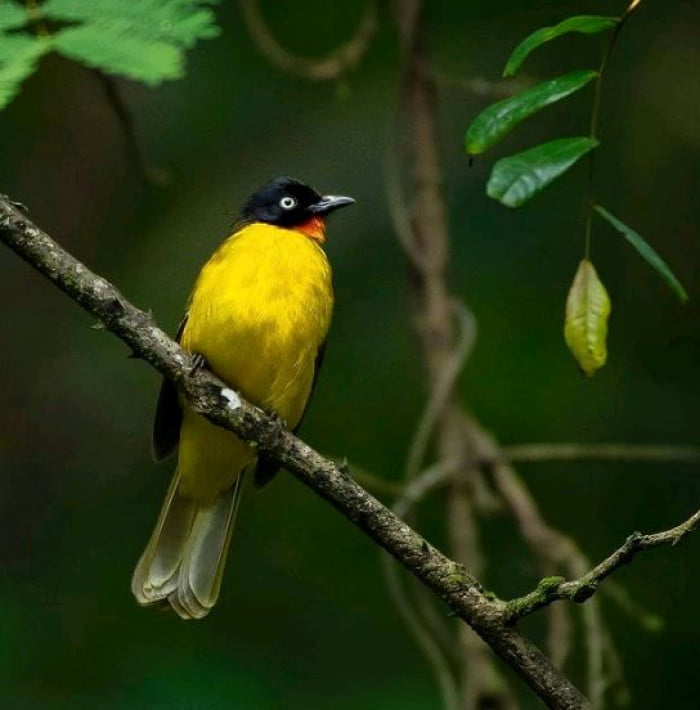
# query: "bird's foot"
[17,205]
[276,418]
[199,362]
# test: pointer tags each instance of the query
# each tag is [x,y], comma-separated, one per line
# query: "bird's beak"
[329,203]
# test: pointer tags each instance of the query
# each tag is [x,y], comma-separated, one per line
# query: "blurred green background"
[304,619]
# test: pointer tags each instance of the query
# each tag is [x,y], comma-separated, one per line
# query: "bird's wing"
[266,469]
[168,417]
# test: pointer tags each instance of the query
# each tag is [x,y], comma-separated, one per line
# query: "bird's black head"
[286,202]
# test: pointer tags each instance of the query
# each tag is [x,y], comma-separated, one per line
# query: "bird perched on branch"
[258,318]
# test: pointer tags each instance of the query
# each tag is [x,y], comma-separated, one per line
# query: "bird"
[258,318]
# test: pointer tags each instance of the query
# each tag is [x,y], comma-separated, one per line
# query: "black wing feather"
[168,417]
[266,469]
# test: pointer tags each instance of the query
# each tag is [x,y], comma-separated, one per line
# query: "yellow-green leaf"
[586,322]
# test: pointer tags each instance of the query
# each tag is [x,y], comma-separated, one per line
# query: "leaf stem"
[36,18]
[595,117]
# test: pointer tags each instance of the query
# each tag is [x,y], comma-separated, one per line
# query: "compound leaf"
[12,15]
[113,48]
[181,22]
[19,54]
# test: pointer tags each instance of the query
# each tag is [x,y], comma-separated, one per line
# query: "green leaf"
[112,47]
[586,24]
[19,54]
[140,39]
[12,15]
[181,22]
[646,252]
[497,120]
[518,178]
[586,320]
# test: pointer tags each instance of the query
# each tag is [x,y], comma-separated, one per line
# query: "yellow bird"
[258,318]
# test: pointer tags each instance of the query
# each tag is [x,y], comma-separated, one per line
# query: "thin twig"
[376,484]
[524,453]
[396,201]
[419,623]
[615,671]
[418,613]
[579,590]
[442,388]
[478,86]
[558,642]
[134,149]
[36,17]
[417,489]
[421,633]
[555,551]
[595,116]
[423,231]
[646,619]
[336,63]
[594,635]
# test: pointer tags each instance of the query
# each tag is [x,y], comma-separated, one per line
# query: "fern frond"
[113,47]
[140,39]
[181,22]
[12,15]
[19,54]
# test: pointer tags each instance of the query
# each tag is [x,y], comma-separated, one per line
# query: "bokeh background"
[304,619]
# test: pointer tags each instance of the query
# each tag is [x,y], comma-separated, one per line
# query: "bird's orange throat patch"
[315,228]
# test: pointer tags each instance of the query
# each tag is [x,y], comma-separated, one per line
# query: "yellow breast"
[259,311]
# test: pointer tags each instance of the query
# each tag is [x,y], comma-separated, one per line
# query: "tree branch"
[553,589]
[211,398]
[438,320]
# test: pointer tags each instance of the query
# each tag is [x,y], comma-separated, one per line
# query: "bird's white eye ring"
[288,203]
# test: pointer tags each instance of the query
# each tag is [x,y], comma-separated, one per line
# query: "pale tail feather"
[156,573]
[185,557]
[202,566]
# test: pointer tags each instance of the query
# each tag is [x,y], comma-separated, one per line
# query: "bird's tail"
[184,560]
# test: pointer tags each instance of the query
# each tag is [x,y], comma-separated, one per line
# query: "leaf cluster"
[143,40]
[518,178]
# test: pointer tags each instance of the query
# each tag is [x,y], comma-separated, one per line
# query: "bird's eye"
[288,203]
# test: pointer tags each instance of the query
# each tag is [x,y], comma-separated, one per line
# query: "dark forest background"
[304,619]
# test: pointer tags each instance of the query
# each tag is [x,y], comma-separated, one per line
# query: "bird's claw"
[277,419]
[199,362]
[19,206]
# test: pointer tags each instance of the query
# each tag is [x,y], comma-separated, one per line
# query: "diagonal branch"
[553,589]
[211,398]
